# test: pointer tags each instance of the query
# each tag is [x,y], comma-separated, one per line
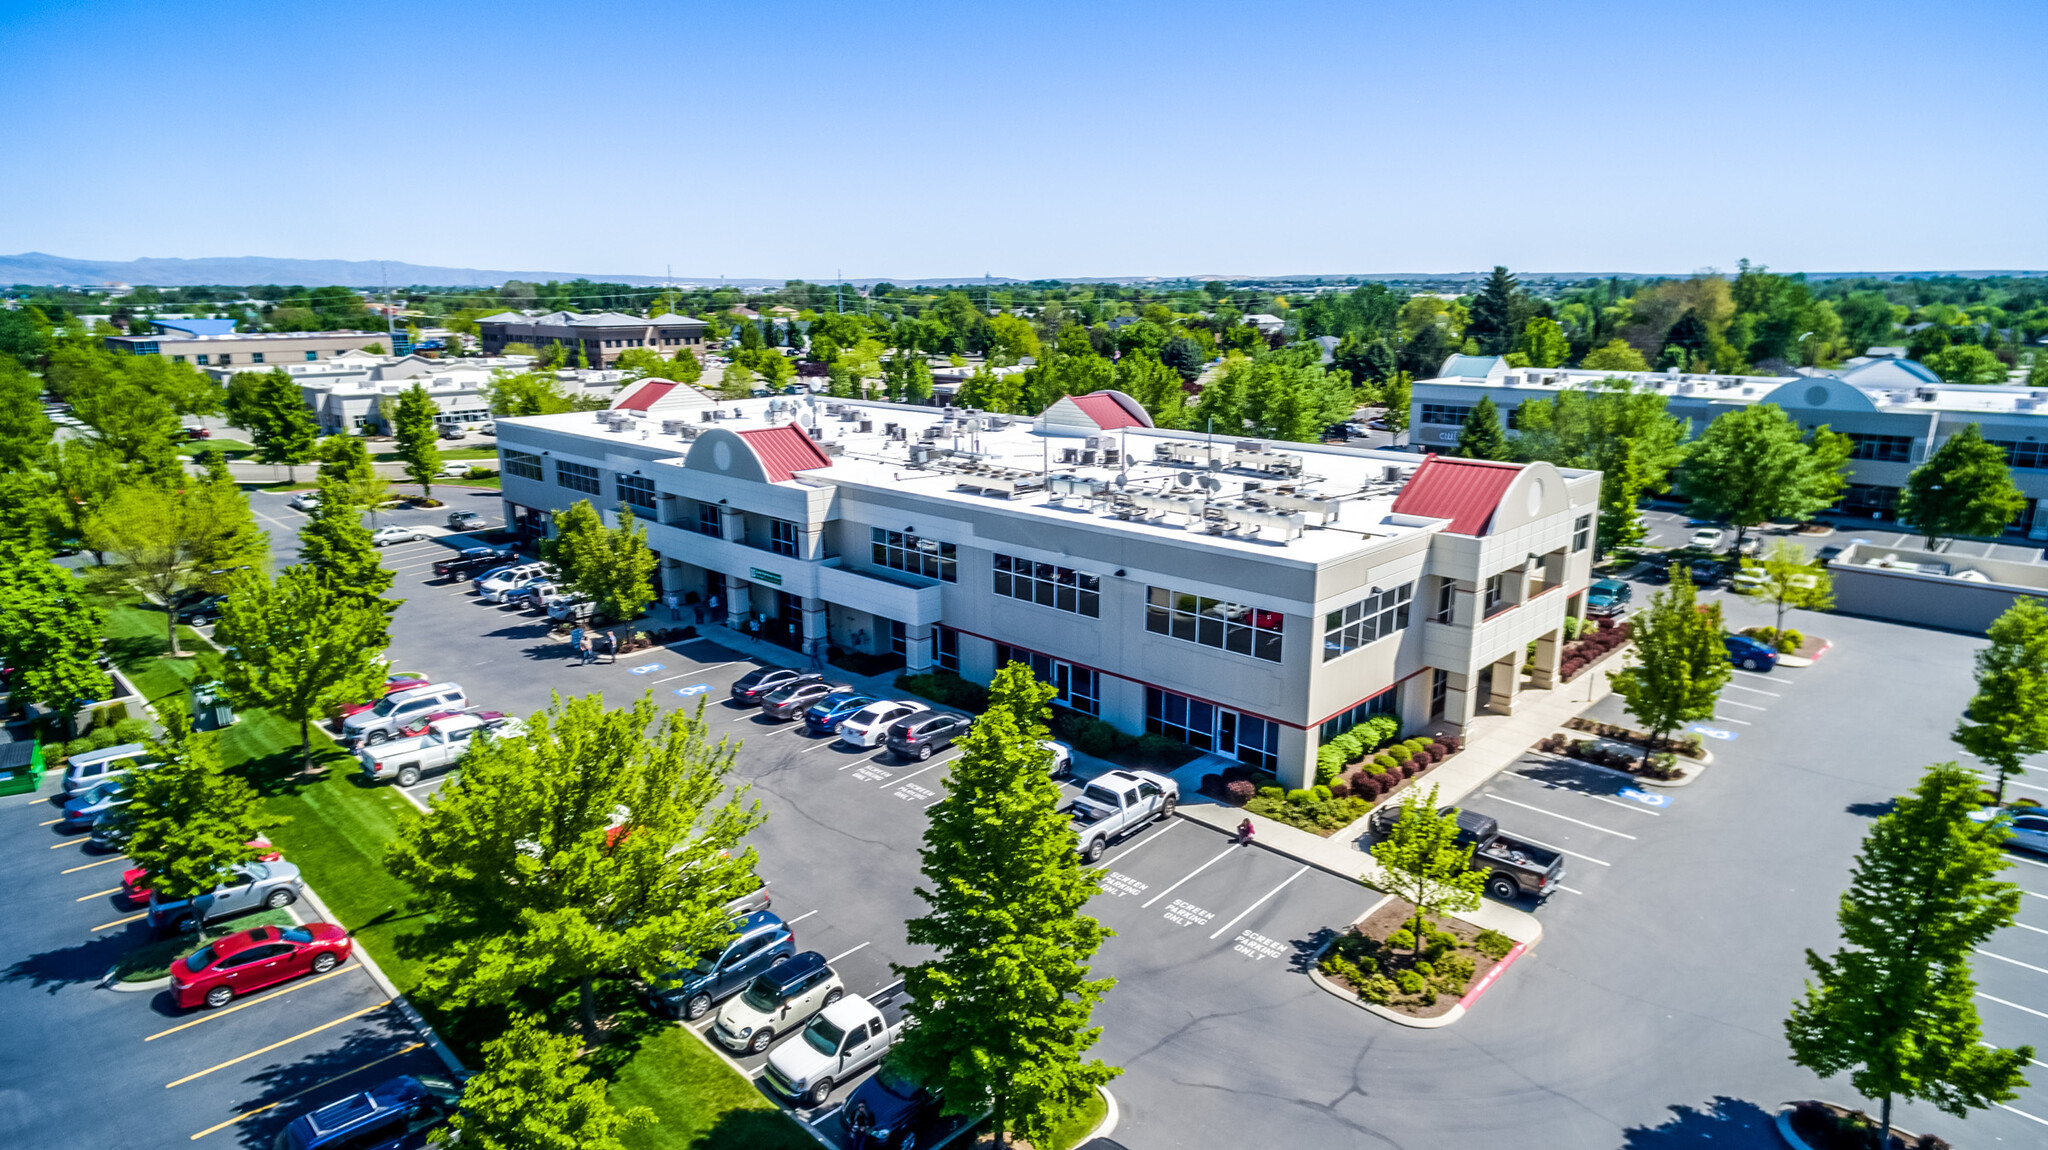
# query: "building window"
[1214,623]
[204,360]
[1258,741]
[226,359]
[524,464]
[2027,456]
[638,491]
[909,553]
[788,606]
[1380,704]
[1180,718]
[899,638]
[782,537]
[946,641]
[1446,600]
[1078,687]
[1882,448]
[1444,413]
[1048,586]
[1497,592]
[256,357]
[710,520]
[311,356]
[577,477]
[1368,620]
[1582,533]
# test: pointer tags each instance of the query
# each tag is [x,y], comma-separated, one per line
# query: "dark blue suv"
[885,1112]
[826,714]
[393,1115]
[758,942]
[1749,654]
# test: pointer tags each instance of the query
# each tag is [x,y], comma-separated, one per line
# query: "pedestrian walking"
[714,608]
[611,646]
[589,649]
[576,639]
[674,600]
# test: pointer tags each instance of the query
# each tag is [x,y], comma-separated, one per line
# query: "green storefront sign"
[768,577]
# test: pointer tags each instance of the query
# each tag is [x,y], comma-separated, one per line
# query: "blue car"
[827,713]
[397,1114]
[886,1111]
[1749,654]
[1608,597]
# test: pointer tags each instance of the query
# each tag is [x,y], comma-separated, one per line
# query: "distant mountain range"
[39,268]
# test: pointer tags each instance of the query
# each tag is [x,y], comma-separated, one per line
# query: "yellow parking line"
[118,922]
[307,1090]
[89,866]
[70,843]
[96,894]
[275,1045]
[51,822]
[250,1003]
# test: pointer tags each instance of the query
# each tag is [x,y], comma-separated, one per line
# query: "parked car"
[84,772]
[304,501]
[824,715]
[250,886]
[492,586]
[490,719]
[922,735]
[396,711]
[1706,538]
[754,900]
[443,743]
[778,1002]
[567,607]
[530,596]
[1513,867]
[793,700]
[487,427]
[391,533]
[465,521]
[196,608]
[1749,654]
[397,1114]
[758,684]
[1062,757]
[1608,597]
[1707,572]
[843,1039]
[471,560]
[867,726]
[758,941]
[450,431]
[198,433]
[83,810]
[886,1111]
[2025,827]
[1117,803]
[135,880]
[392,686]
[250,960]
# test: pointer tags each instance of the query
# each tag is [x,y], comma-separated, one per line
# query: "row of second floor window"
[1444,413]
[2027,456]
[1226,626]
[1049,585]
[1370,619]
[224,359]
[915,555]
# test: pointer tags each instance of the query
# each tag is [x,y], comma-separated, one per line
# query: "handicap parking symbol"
[694,689]
[1711,732]
[647,668]
[1644,797]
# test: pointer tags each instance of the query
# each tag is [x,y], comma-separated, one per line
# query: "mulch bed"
[1375,970]
[1826,1126]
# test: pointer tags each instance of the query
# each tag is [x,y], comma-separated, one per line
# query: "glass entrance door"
[1226,733]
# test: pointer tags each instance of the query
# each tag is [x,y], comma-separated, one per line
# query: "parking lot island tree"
[345,462]
[171,541]
[1422,861]
[1680,664]
[2007,720]
[49,633]
[534,1093]
[334,542]
[190,820]
[597,842]
[612,565]
[1963,489]
[1000,1015]
[301,647]
[1788,577]
[1754,465]
[418,433]
[1894,1006]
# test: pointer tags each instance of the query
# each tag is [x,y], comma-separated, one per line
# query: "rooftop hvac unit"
[1070,455]
[834,449]
[888,428]
[866,426]
[1094,443]
[1088,457]
[900,435]
[706,416]
[1111,457]
[1926,395]
[920,453]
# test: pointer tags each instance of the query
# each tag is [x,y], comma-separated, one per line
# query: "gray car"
[249,887]
[84,810]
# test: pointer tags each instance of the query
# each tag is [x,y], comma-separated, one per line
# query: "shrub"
[946,688]
[1456,743]
[1435,753]
[1455,972]
[1410,769]
[1411,983]
[1322,793]
[1329,763]
[1239,791]
[1403,939]
[1439,943]
[1378,989]
[1234,774]
[130,731]
[1274,793]
[1493,944]
[1095,737]
[1302,795]
[1211,785]
[1159,748]
[1339,789]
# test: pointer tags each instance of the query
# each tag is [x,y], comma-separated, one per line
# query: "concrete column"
[1297,765]
[811,543]
[1549,648]
[814,628]
[1414,701]
[917,647]
[734,525]
[1458,699]
[1467,604]
[1507,681]
[739,603]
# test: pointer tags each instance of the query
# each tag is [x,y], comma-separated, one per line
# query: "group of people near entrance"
[589,643]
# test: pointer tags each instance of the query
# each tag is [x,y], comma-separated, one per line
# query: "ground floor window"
[1383,703]
[1869,499]
[1439,692]
[899,638]
[1205,726]
[947,641]
[1079,687]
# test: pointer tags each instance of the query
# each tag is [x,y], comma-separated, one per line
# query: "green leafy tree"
[1754,465]
[335,545]
[1625,434]
[1895,1006]
[643,362]
[171,542]
[84,474]
[1615,355]
[1967,363]
[1680,664]
[527,393]
[737,382]
[190,820]
[533,1094]
[1001,1012]
[1482,437]
[2007,721]
[347,473]
[1964,488]
[279,423]
[49,633]
[25,432]
[414,426]
[1394,396]
[1422,861]
[1544,343]
[1787,577]
[687,368]
[301,647]
[536,814]
[612,565]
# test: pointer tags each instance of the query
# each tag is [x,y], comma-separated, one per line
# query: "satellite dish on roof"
[1185,478]
[1122,480]
[1210,483]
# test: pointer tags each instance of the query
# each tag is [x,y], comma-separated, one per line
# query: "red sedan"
[135,880]
[390,687]
[253,959]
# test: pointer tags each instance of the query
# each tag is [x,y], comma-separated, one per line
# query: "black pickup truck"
[1513,867]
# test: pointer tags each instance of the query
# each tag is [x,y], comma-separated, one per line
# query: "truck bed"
[1520,855]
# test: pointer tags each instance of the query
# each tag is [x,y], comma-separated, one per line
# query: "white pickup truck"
[842,1040]
[1116,803]
[407,760]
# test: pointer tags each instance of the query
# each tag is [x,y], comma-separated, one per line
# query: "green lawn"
[490,481]
[153,960]
[701,1103]
[447,454]
[1079,1124]
[232,448]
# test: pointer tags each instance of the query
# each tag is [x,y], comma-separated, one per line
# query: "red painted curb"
[1472,996]
[1825,647]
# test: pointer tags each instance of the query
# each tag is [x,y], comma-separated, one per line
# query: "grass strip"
[153,960]
[698,1101]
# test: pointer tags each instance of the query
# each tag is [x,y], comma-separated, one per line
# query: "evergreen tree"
[189,820]
[2007,721]
[1680,664]
[279,423]
[1001,1013]
[612,565]
[414,426]
[1184,356]
[1964,488]
[301,647]
[1894,1007]
[1497,313]
[1754,465]
[533,1094]
[1423,861]
[1482,437]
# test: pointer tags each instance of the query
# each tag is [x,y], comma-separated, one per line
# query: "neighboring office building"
[1895,409]
[600,336]
[347,393]
[243,349]
[1248,598]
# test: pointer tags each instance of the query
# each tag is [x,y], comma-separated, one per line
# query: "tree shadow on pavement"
[375,1050]
[88,961]
[1725,1123]
[1306,950]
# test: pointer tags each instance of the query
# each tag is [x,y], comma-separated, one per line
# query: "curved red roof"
[1464,491]
[784,451]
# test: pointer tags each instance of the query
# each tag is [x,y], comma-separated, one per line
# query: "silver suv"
[397,711]
[251,886]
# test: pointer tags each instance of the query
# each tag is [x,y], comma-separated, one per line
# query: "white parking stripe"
[1569,890]
[1562,851]
[1261,902]
[2030,862]
[1134,846]
[2014,1005]
[2035,929]
[843,954]
[1751,706]
[1758,690]
[2035,1061]
[913,774]
[799,918]
[1726,719]
[827,743]
[1753,674]
[2014,961]
[2022,1113]
[1636,807]
[1555,815]
[1191,874]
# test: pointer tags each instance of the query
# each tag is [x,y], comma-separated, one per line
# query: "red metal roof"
[1464,491]
[644,397]
[1107,413]
[785,450]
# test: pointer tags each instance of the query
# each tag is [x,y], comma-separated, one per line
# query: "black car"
[1707,572]
[397,1114]
[196,608]
[789,702]
[759,941]
[471,561]
[924,734]
[755,686]
[884,1112]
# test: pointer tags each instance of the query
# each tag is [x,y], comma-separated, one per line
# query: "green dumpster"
[21,767]
[210,708]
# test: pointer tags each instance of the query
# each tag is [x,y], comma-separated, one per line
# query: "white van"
[86,771]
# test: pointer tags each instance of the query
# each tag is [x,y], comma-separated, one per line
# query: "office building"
[600,336]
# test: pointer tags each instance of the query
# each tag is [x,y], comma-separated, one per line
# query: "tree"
[418,432]
[1625,434]
[301,647]
[687,367]
[347,473]
[1482,437]
[24,430]
[279,422]
[1615,355]
[1963,489]
[527,393]
[1967,363]
[1422,861]
[1394,396]
[1544,343]
[334,544]
[1001,1012]
[1754,465]
[172,542]
[2007,720]
[1680,664]
[1497,313]
[1789,578]
[532,1094]
[643,362]
[612,565]
[190,819]
[1894,1007]
[49,633]
[536,813]
[737,382]
[84,474]
[1184,356]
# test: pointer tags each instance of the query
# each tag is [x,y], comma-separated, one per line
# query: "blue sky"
[912,139]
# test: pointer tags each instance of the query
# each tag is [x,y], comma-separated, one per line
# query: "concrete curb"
[152,986]
[1795,661]
[1457,1011]
[384,984]
[1682,781]
[1110,1117]
[1783,1121]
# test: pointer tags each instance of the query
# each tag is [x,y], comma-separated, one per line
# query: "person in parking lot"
[576,639]
[611,646]
[589,648]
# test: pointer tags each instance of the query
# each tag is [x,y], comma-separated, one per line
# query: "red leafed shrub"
[1359,782]
[1436,752]
[1239,791]
[1383,784]
[1456,743]
[1340,789]
[1410,768]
